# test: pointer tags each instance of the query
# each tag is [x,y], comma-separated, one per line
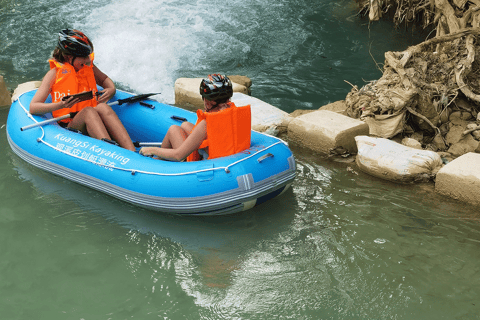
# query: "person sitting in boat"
[72,71]
[221,130]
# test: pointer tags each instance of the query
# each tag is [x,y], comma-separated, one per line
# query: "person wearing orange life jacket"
[222,130]
[72,71]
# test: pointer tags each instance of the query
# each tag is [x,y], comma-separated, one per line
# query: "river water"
[339,245]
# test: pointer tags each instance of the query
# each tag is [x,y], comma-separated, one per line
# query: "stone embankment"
[330,131]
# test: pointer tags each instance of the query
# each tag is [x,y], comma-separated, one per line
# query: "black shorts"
[64,123]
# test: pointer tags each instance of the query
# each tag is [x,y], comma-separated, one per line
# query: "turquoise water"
[339,245]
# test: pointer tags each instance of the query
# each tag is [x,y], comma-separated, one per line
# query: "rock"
[446,157]
[412,143]
[476,134]
[458,117]
[5,99]
[460,179]
[444,129]
[439,143]
[471,126]
[417,136]
[455,134]
[466,115]
[463,104]
[463,146]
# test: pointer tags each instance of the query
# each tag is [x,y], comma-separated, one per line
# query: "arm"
[38,105]
[193,141]
[106,83]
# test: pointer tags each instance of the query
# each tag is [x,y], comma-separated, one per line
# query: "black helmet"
[216,87]
[75,43]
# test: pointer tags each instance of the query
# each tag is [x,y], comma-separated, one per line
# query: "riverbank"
[331,132]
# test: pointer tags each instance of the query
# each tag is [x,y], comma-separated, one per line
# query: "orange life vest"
[68,82]
[228,131]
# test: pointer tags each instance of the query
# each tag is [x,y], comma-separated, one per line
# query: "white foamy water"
[146,45]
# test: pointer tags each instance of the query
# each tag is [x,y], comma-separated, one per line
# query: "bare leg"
[114,126]
[89,121]
[187,126]
[175,136]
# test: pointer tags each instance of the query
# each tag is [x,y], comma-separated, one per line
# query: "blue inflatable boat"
[209,187]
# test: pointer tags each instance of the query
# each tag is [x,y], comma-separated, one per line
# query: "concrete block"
[337,106]
[242,80]
[187,91]
[24,87]
[5,99]
[460,179]
[324,130]
[265,117]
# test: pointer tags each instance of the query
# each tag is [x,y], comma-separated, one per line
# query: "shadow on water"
[192,232]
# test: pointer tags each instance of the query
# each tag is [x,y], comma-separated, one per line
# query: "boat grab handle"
[178,118]
[265,156]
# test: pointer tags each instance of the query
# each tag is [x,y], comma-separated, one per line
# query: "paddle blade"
[135,98]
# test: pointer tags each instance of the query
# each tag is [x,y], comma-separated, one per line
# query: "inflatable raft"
[208,187]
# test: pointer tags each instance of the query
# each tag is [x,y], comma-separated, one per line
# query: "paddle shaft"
[41,123]
[66,116]
[147,144]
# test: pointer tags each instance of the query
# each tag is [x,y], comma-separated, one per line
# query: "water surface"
[339,245]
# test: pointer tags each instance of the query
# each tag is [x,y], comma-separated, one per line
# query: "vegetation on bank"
[430,91]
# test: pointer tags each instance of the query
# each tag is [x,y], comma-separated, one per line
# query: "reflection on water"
[338,245]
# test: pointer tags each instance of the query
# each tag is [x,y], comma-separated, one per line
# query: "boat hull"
[209,187]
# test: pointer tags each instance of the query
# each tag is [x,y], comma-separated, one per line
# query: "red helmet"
[74,42]
[216,87]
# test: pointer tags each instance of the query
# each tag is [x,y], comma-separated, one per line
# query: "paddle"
[147,144]
[132,99]
[41,123]
[66,116]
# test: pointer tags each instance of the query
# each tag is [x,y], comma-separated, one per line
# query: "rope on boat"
[134,171]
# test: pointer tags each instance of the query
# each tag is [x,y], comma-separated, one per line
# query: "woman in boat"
[222,130]
[72,71]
